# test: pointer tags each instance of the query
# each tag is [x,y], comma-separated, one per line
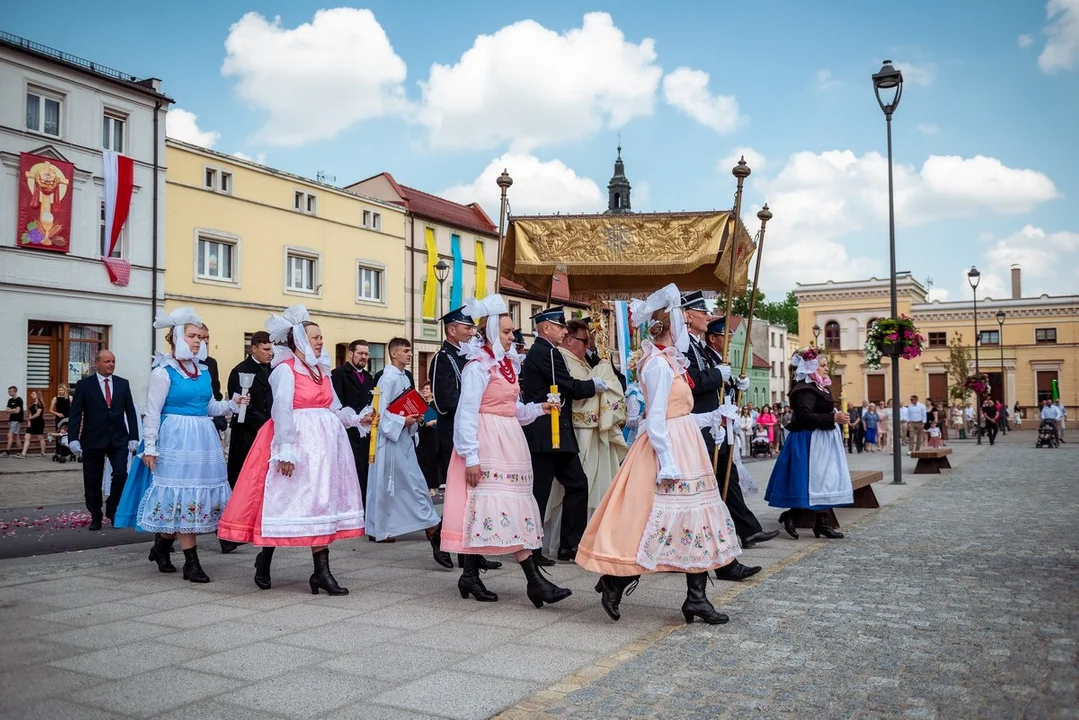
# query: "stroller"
[62,453]
[758,445]
[1047,435]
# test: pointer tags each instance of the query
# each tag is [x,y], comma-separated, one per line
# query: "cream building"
[246,240]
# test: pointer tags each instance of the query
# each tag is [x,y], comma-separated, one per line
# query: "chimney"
[1017,286]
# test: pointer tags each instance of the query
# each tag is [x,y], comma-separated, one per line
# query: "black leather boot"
[159,554]
[787,518]
[822,528]
[322,578]
[442,557]
[696,604]
[611,589]
[228,546]
[542,560]
[736,571]
[262,568]
[540,589]
[485,564]
[192,568]
[470,583]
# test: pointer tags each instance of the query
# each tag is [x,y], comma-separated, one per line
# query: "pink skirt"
[500,515]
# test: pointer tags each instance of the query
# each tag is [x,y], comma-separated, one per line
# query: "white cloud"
[317,79]
[531,86]
[928,129]
[538,187]
[1025,40]
[1041,255]
[918,73]
[754,160]
[687,90]
[1062,49]
[821,200]
[260,158]
[937,293]
[183,125]
[825,81]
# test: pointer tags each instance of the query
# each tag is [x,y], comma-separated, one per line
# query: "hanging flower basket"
[894,338]
[977,383]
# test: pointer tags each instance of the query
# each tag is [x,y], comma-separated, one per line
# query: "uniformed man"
[543,367]
[519,341]
[707,371]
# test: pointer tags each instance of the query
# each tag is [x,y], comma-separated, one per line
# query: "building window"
[367,218]
[989,337]
[377,361]
[301,272]
[369,284]
[515,313]
[305,202]
[1043,384]
[938,339]
[1045,335]
[247,343]
[376,221]
[226,183]
[215,259]
[831,335]
[112,132]
[216,180]
[118,251]
[210,180]
[43,111]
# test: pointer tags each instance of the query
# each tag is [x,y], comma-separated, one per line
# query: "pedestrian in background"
[14,420]
[35,424]
[871,421]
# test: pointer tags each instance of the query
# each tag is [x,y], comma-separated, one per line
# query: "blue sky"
[984,137]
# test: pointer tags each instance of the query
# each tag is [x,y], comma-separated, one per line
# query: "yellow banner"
[430,292]
[481,272]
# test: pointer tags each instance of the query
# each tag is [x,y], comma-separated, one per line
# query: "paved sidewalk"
[101,634]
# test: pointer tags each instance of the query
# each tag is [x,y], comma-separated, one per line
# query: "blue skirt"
[138,482]
[871,436]
[788,486]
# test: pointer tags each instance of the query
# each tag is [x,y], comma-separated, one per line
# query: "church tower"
[618,188]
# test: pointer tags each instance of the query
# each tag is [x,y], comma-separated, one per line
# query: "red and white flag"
[119,183]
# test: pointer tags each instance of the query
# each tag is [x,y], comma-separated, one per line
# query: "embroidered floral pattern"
[688,528]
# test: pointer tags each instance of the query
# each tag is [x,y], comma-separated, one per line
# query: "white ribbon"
[803,368]
[293,319]
[667,298]
[491,307]
[177,318]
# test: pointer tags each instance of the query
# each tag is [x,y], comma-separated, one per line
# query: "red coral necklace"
[505,367]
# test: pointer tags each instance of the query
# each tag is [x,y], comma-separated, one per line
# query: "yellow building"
[245,240]
[1039,340]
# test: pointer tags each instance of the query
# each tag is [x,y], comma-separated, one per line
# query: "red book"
[410,403]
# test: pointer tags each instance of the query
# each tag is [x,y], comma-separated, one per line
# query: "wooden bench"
[864,497]
[932,460]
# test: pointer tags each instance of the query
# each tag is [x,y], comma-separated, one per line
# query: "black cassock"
[354,389]
[258,412]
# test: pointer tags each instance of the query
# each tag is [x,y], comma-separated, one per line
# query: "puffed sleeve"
[527,413]
[217,408]
[657,377]
[466,419]
[157,389]
[283,388]
[349,417]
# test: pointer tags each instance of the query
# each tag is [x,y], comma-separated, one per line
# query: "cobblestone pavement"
[960,601]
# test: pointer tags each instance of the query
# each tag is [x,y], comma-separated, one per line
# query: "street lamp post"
[890,80]
[816,336]
[974,277]
[442,271]
[1002,421]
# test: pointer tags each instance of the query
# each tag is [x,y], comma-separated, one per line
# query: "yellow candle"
[374,426]
[843,409]
[556,440]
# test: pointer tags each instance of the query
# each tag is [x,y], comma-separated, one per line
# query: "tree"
[783,313]
[958,368]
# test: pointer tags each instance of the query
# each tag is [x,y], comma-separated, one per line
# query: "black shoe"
[567,555]
[787,517]
[611,589]
[322,578]
[262,568]
[95,525]
[470,584]
[485,564]
[442,557]
[192,568]
[159,554]
[736,571]
[542,560]
[228,546]
[820,528]
[540,589]
[762,536]
[697,605]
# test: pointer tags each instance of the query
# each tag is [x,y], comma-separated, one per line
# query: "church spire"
[618,188]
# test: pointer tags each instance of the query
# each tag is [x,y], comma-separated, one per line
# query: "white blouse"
[157,391]
[466,422]
[283,389]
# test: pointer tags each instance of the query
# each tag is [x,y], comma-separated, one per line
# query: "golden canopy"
[618,255]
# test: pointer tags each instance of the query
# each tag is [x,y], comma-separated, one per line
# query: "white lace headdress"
[293,319]
[491,307]
[179,318]
[669,299]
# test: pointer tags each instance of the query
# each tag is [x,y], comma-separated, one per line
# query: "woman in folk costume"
[663,512]
[811,471]
[181,486]
[298,486]
[597,424]
[398,501]
[490,509]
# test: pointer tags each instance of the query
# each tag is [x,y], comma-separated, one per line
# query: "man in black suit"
[103,424]
[856,436]
[354,383]
[220,422]
[543,367]
[706,370]
[243,433]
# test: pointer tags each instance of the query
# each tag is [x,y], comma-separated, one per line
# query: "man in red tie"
[103,424]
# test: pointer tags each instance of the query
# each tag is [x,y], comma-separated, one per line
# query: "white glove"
[554,398]
[725,372]
[600,385]
[743,383]
[74,447]
[132,445]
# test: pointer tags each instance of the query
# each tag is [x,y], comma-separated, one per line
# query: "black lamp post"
[890,80]
[974,277]
[1002,421]
[816,336]
[442,271]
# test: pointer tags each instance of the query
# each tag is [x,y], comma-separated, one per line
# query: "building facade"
[246,240]
[1039,340]
[60,304]
[770,344]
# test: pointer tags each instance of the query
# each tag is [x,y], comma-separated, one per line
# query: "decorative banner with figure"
[45,196]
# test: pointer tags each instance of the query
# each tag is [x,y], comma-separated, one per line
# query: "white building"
[770,343]
[59,308]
